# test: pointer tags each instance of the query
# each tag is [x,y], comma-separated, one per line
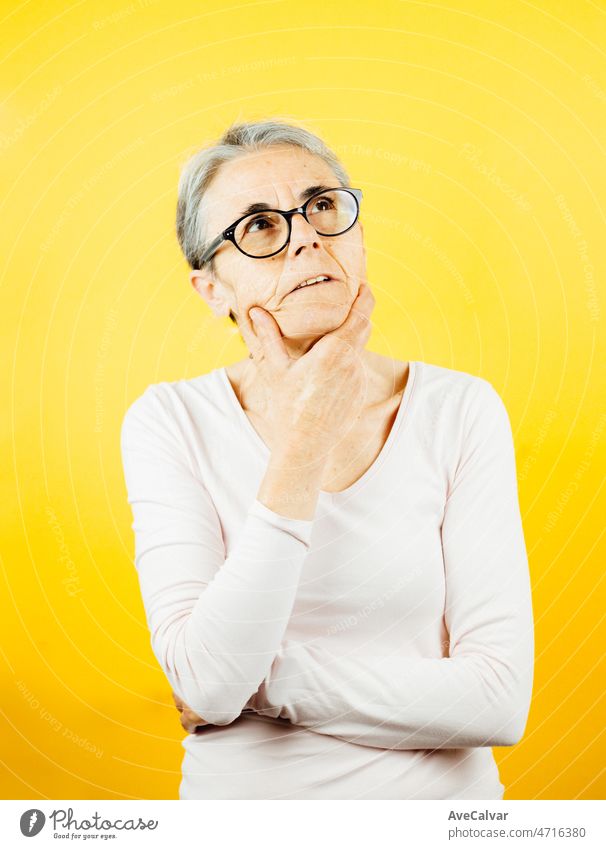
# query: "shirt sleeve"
[216,622]
[480,694]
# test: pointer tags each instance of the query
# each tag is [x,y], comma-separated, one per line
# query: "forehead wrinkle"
[259,206]
[310,171]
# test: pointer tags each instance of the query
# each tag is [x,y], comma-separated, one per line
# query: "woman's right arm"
[216,623]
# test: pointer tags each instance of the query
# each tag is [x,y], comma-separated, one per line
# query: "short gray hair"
[199,170]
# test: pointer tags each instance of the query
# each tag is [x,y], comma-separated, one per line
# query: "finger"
[269,339]
[187,726]
[247,330]
[190,720]
[194,717]
[177,700]
[185,722]
[357,327]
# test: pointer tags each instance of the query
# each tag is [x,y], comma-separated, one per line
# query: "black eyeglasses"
[265,233]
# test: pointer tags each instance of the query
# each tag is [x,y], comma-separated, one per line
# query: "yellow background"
[476,131]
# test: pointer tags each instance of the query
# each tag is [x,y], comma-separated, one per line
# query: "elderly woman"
[328,540]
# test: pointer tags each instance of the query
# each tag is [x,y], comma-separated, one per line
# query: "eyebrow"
[305,195]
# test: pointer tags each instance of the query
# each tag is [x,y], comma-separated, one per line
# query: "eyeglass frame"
[228,235]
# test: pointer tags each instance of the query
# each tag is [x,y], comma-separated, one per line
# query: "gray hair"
[200,169]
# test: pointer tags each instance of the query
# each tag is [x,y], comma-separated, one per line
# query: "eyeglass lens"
[264,233]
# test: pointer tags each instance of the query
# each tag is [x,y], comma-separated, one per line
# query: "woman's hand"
[318,396]
[189,719]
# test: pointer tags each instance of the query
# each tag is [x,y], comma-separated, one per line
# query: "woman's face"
[278,175]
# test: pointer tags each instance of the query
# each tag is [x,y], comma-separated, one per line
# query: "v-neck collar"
[413,368]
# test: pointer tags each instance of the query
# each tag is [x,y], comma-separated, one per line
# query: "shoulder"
[467,391]
[144,408]
[456,408]
[145,422]
[169,407]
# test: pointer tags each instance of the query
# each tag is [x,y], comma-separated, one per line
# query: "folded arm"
[480,694]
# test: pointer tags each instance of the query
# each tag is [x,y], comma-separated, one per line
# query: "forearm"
[217,656]
[401,702]
[293,478]
[216,651]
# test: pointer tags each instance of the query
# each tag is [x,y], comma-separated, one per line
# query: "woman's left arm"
[480,694]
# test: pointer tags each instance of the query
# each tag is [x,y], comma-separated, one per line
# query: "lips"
[310,277]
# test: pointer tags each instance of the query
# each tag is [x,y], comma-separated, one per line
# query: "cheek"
[252,287]
[352,257]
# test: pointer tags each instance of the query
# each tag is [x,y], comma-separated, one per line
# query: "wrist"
[292,480]
[302,449]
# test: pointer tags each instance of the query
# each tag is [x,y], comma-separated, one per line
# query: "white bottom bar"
[301,824]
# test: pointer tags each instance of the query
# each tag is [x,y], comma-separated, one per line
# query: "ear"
[212,292]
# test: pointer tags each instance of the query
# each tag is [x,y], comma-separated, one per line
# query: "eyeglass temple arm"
[210,250]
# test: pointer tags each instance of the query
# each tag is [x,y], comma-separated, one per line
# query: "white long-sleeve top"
[377,651]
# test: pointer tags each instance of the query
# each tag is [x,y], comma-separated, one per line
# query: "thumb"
[269,335]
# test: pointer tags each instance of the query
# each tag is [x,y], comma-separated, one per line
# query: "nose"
[301,234]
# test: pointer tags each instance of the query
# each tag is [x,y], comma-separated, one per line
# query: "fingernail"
[255,313]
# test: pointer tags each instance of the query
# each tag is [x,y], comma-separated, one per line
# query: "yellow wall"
[476,131]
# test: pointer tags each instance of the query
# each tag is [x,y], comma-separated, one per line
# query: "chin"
[312,320]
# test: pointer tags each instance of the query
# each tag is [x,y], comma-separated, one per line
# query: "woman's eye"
[328,204]
[260,220]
